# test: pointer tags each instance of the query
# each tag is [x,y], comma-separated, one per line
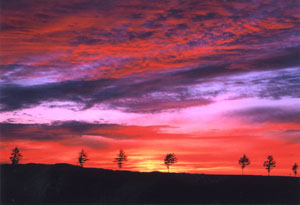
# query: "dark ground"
[63,183]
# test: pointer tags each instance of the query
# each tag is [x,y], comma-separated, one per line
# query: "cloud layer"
[194,87]
[92,52]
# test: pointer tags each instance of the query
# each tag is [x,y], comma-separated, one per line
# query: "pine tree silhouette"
[16,156]
[169,160]
[269,164]
[295,167]
[82,157]
[121,158]
[244,161]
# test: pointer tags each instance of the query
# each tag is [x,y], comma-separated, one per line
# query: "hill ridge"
[66,183]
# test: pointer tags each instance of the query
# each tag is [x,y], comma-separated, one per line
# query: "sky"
[206,80]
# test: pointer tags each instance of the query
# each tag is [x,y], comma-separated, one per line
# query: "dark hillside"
[63,183]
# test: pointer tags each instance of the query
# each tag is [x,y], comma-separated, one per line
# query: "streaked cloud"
[269,114]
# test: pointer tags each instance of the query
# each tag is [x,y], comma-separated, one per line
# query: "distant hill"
[64,183]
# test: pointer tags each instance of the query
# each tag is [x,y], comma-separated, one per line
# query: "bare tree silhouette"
[16,156]
[295,167]
[244,161]
[82,157]
[121,158]
[269,164]
[169,160]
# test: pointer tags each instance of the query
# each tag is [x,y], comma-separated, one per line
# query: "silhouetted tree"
[295,167]
[16,156]
[169,160]
[244,161]
[82,157]
[121,158]
[269,164]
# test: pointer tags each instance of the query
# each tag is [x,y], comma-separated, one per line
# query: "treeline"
[169,160]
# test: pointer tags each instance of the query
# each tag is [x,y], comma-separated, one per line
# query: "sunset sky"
[206,80]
